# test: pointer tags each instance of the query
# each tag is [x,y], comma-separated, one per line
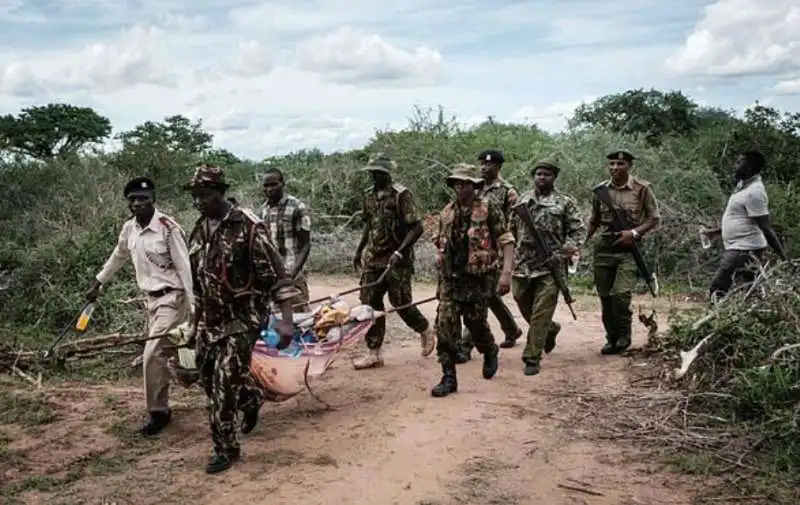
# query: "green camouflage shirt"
[236,272]
[502,194]
[388,214]
[559,222]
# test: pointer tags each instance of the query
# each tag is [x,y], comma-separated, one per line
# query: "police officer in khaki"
[156,245]
[615,271]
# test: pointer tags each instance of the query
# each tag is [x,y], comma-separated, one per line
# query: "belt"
[161,292]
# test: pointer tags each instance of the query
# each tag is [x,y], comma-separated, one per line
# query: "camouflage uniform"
[236,271]
[559,222]
[388,215]
[615,272]
[502,194]
[469,242]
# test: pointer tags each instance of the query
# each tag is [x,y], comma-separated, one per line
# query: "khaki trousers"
[163,314]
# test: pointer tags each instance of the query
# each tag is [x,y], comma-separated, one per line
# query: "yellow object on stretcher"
[328,318]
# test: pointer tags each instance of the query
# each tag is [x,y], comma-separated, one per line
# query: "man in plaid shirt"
[289,224]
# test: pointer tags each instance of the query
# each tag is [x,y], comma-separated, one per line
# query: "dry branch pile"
[730,387]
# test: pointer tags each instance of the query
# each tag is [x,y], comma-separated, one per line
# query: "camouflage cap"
[207,176]
[465,172]
[547,165]
[620,154]
[381,162]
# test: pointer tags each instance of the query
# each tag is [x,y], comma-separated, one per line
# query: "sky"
[271,77]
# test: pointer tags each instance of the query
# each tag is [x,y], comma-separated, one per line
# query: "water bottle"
[83,319]
[272,339]
[572,266]
[705,242]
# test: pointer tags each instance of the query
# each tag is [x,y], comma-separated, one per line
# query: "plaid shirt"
[284,221]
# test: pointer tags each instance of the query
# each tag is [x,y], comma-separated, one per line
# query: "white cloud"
[788,87]
[742,37]
[351,56]
[269,77]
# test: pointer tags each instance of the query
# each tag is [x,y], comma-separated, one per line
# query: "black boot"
[449,383]
[222,460]
[610,325]
[158,421]
[531,368]
[490,364]
[610,347]
[510,341]
[550,342]
[250,417]
[624,319]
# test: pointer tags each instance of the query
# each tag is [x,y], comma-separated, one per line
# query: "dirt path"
[512,440]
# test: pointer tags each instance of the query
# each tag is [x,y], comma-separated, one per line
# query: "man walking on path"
[502,194]
[746,230]
[288,224]
[156,245]
[391,228]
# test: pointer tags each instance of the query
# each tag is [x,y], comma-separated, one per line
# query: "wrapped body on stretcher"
[319,336]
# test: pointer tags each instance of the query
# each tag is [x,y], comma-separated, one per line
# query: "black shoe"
[250,418]
[490,364]
[219,462]
[510,342]
[531,369]
[550,342]
[158,421]
[448,384]
[609,348]
[462,357]
[622,345]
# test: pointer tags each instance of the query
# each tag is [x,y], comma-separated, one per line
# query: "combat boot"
[371,360]
[222,460]
[550,342]
[157,422]
[428,342]
[490,364]
[610,347]
[449,383]
[510,341]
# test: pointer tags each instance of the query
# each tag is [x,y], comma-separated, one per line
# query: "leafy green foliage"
[52,130]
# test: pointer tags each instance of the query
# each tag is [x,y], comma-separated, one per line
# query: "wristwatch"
[635,233]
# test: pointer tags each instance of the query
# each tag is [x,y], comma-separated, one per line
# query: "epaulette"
[399,188]
[643,182]
[168,223]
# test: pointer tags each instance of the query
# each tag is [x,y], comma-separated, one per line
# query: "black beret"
[492,155]
[620,154]
[138,184]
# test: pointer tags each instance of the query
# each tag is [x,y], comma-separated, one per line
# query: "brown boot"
[371,360]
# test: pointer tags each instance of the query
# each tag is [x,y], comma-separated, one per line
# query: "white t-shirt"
[739,229]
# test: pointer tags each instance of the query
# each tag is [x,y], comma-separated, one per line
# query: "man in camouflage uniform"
[615,271]
[391,228]
[472,233]
[558,221]
[500,193]
[236,272]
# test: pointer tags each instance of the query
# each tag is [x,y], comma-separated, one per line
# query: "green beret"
[620,154]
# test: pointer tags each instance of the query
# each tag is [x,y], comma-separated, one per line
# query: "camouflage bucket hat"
[207,176]
[381,163]
[465,172]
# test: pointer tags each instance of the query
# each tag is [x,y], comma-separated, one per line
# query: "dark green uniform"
[558,221]
[615,272]
[388,215]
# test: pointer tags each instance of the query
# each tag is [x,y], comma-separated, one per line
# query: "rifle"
[622,222]
[544,250]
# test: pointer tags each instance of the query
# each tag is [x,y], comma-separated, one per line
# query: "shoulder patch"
[168,223]
[399,188]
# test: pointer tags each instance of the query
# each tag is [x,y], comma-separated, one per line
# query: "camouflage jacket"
[389,215]
[236,272]
[558,220]
[502,194]
[636,196]
[482,231]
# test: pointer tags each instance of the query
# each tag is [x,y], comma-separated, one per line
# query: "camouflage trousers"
[225,376]
[397,284]
[449,315]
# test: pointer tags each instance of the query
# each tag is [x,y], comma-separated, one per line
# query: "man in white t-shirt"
[746,231]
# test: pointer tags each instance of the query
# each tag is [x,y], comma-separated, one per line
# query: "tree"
[655,114]
[52,130]
[175,133]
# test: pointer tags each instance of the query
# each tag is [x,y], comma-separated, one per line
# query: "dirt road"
[512,440]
